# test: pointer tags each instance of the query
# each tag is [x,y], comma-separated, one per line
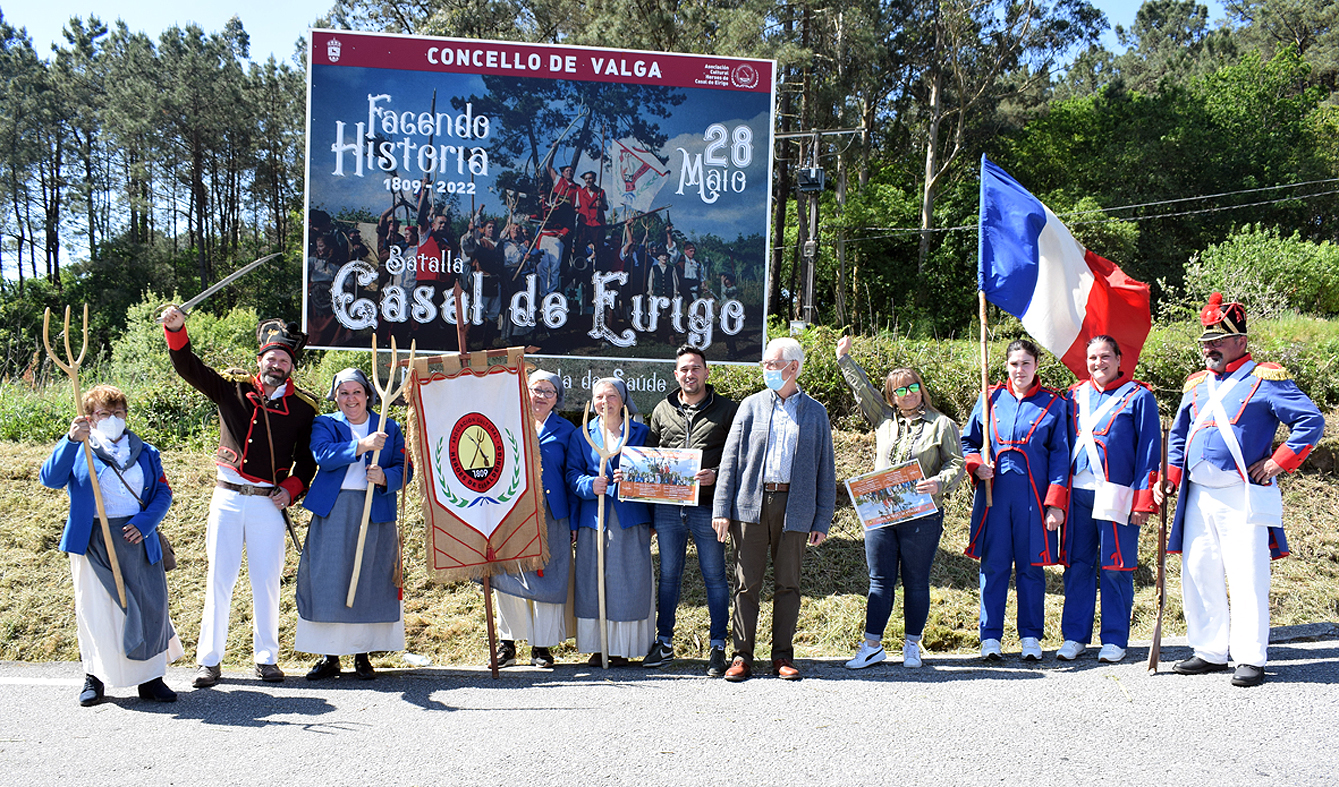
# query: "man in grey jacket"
[775,492]
[694,416]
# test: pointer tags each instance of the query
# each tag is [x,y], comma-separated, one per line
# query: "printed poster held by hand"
[888,497]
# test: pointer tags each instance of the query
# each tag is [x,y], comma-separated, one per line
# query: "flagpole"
[985,394]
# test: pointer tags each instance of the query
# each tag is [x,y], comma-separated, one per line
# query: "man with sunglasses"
[1229,512]
[694,416]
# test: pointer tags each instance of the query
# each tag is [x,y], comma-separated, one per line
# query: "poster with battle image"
[598,203]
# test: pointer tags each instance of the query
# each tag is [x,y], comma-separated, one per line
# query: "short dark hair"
[688,349]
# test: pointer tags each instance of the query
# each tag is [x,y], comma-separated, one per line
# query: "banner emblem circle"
[476,451]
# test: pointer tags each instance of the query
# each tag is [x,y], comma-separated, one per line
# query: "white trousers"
[237,521]
[1220,551]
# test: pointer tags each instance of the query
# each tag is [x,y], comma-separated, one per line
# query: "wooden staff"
[985,396]
[387,393]
[605,456]
[1155,650]
[70,365]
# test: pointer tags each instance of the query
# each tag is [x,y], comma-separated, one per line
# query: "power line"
[892,232]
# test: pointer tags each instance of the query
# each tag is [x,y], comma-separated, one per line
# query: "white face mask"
[111,428]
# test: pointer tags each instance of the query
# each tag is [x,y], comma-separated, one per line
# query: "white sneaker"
[1070,650]
[1031,649]
[911,654]
[990,650]
[866,656]
[1110,654]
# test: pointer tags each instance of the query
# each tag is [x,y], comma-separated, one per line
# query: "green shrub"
[1268,273]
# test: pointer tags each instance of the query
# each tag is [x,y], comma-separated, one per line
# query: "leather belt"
[245,489]
[776,487]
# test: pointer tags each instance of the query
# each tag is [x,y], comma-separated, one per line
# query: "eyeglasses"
[544,393]
[773,365]
[907,389]
[1216,343]
[99,415]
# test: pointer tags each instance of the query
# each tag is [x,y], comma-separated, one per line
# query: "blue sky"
[275,26]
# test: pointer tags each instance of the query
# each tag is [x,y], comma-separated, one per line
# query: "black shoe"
[270,673]
[157,691]
[541,657]
[506,653]
[362,667]
[92,693]
[1197,666]
[325,667]
[716,664]
[661,653]
[1248,675]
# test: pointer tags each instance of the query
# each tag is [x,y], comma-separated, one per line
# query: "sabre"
[70,365]
[186,307]
[387,393]
[605,456]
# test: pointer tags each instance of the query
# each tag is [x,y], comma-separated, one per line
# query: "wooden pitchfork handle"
[70,365]
[605,456]
[387,393]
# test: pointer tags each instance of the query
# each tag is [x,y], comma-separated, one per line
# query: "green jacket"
[705,426]
[932,439]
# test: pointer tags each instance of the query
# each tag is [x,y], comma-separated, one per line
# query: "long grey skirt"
[326,567]
[550,584]
[627,571]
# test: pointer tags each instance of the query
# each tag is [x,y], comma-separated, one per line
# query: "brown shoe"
[206,676]
[785,669]
[270,673]
[739,670]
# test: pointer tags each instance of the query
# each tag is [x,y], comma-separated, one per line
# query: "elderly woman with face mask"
[907,426]
[533,605]
[119,646]
[627,531]
[343,443]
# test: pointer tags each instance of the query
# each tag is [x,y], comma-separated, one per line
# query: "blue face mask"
[774,379]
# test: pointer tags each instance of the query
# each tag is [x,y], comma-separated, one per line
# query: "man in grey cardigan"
[775,492]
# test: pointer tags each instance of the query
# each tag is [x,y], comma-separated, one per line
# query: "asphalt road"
[956,721]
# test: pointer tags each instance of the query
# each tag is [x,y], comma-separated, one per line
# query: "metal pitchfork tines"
[387,393]
[70,365]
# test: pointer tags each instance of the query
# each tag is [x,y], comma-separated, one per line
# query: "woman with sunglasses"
[907,426]
[1027,469]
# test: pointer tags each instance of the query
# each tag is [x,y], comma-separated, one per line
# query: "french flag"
[1033,268]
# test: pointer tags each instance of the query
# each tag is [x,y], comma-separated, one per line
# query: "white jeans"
[1220,550]
[237,521]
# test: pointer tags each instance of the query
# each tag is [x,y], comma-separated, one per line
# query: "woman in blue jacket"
[533,605]
[129,646]
[343,444]
[1029,473]
[627,558]
[1115,434]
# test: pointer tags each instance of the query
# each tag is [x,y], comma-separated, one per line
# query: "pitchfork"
[70,365]
[605,456]
[387,393]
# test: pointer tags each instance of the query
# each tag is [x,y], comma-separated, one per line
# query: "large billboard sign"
[600,204]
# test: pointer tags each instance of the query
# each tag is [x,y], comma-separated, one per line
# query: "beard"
[274,377]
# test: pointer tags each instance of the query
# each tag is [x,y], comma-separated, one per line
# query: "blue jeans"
[673,524]
[910,547]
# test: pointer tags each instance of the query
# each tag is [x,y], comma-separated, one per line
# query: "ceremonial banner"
[598,203]
[475,443]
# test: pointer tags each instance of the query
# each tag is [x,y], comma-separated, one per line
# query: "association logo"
[476,451]
[745,76]
[332,48]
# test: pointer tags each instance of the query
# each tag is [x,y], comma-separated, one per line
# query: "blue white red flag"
[1032,267]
